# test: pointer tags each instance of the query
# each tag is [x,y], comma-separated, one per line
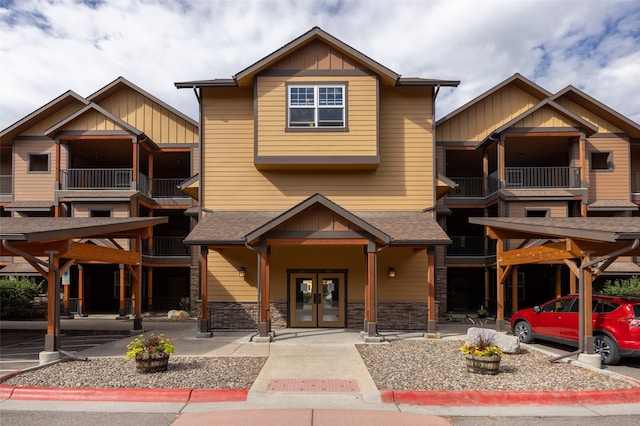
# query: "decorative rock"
[507,344]
[177,315]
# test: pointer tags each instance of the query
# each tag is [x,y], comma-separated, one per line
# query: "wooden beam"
[545,253]
[317,242]
[84,252]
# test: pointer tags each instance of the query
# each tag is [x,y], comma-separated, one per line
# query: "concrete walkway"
[312,377]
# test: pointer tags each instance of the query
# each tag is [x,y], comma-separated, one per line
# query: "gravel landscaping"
[398,365]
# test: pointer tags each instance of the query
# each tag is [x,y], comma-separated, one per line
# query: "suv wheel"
[523,331]
[607,348]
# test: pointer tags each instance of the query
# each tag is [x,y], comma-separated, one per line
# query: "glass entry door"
[317,299]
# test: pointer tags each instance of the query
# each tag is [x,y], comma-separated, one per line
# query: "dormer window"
[316,106]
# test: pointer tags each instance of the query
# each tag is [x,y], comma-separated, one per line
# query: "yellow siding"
[476,122]
[403,181]
[45,123]
[315,55]
[156,121]
[92,120]
[603,125]
[410,284]
[545,117]
[519,208]
[33,186]
[273,140]
[605,184]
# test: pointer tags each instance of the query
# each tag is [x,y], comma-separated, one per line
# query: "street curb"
[480,398]
[128,394]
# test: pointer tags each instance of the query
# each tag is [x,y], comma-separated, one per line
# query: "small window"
[601,161]
[537,212]
[561,305]
[39,163]
[316,106]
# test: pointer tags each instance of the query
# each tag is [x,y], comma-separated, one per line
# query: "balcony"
[542,177]
[635,183]
[167,188]
[466,245]
[96,179]
[520,177]
[166,246]
[6,184]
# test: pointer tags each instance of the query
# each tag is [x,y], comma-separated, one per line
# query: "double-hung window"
[316,106]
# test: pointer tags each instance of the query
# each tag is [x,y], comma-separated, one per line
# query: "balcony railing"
[166,246]
[475,186]
[6,184]
[542,177]
[465,245]
[167,188]
[635,183]
[103,179]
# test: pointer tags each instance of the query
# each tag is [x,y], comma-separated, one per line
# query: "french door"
[316,299]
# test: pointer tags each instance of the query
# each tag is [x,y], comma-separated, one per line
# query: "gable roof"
[589,128]
[629,126]
[51,131]
[30,120]
[121,83]
[246,76]
[516,80]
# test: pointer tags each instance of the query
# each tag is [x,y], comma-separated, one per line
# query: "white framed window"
[317,105]
[38,163]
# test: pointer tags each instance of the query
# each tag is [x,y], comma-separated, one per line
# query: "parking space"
[22,350]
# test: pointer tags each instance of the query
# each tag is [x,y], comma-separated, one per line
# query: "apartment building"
[119,152]
[520,151]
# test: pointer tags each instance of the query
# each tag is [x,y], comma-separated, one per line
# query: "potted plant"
[150,352]
[482,312]
[483,355]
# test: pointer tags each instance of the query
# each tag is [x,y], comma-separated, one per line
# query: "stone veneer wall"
[402,316]
[441,293]
[244,315]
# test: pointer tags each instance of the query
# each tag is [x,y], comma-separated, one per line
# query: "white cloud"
[50,46]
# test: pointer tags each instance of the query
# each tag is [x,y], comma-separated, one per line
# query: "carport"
[586,245]
[53,245]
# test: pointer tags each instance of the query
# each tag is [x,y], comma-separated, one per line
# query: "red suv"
[616,325]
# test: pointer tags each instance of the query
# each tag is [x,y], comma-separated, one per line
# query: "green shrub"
[17,295]
[626,287]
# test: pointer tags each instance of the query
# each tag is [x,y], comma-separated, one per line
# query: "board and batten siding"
[403,181]
[603,125]
[556,209]
[51,119]
[544,117]
[159,123]
[32,186]
[609,184]
[93,121]
[479,120]
[117,209]
[361,108]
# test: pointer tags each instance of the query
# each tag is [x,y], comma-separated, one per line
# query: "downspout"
[581,301]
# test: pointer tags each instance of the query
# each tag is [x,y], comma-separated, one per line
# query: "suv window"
[562,305]
[636,311]
[604,306]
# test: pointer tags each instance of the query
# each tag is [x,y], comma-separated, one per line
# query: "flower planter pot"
[152,365]
[483,364]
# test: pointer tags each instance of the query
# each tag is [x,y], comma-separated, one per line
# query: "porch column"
[485,172]
[501,276]
[587,296]
[486,288]
[501,163]
[264,325]
[204,310]
[52,338]
[56,209]
[150,288]
[584,176]
[151,173]
[572,283]
[431,291]
[123,302]
[136,296]
[81,291]
[558,281]
[66,291]
[370,324]
[514,289]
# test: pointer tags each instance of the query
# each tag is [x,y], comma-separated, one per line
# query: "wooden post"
[52,338]
[558,281]
[514,289]
[370,293]
[431,291]
[499,284]
[588,311]
[572,283]
[136,168]
[123,301]
[486,288]
[136,296]
[150,288]
[265,318]
[81,291]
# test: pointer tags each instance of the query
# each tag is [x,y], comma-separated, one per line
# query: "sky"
[50,46]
